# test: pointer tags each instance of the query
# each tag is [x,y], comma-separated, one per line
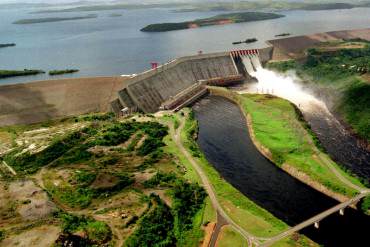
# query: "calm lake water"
[114,45]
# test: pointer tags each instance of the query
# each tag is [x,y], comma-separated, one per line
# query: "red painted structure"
[239,53]
[154,65]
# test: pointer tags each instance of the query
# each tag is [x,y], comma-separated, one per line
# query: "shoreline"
[292,171]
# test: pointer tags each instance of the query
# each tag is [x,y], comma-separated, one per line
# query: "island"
[215,20]
[53,19]
[282,34]
[61,72]
[7,45]
[12,73]
[115,15]
[247,41]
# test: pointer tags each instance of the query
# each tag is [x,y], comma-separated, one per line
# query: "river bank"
[225,142]
[336,189]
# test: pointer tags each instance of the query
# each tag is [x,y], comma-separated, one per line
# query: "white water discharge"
[287,87]
[248,64]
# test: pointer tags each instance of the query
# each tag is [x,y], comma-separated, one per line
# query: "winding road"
[176,136]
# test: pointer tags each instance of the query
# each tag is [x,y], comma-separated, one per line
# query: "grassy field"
[277,127]
[229,237]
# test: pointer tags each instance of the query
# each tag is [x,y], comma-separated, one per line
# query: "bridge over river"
[316,219]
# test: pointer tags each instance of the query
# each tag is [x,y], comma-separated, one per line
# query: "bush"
[365,204]
[30,163]
[188,199]
[84,178]
[156,227]
[2,235]
[162,179]
[150,145]
[97,231]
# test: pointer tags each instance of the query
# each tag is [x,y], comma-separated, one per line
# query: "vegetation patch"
[61,72]
[215,20]
[13,73]
[94,232]
[365,205]
[278,127]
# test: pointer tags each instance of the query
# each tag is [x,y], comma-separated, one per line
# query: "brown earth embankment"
[35,102]
[294,47]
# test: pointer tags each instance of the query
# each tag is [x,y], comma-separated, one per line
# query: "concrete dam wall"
[148,91]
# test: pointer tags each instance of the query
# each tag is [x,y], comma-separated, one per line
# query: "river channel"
[225,141]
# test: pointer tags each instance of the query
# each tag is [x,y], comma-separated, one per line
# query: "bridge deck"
[314,219]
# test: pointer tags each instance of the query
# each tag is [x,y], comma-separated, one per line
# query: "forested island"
[61,72]
[7,45]
[12,73]
[53,19]
[215,20]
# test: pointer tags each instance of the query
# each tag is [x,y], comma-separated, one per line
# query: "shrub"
[97,232]
[156,227]
[162,179]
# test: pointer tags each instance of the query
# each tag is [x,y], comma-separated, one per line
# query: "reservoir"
[107,45]
[224,139]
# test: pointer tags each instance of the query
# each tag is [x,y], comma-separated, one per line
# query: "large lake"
[114,45]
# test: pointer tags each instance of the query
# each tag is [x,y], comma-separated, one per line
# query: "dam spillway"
[152,90]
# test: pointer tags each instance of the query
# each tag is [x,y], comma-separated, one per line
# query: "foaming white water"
[287,87]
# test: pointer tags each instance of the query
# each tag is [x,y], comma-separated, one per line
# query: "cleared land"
[294,47]
[108,182]
[41,101]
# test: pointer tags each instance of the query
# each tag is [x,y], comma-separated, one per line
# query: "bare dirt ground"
[40,101]
[293,47]
[42,236]
[23,201]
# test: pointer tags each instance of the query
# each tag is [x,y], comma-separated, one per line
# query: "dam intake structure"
[180,82]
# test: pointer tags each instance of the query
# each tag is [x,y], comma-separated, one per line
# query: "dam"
[182,81]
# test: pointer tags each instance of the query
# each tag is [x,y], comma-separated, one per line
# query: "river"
[114,45]
[225,141]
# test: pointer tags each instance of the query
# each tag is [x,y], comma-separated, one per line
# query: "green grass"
[276,126]
[295,240]
[229,237]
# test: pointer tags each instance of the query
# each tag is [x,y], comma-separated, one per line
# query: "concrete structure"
[148,91]
[316,219]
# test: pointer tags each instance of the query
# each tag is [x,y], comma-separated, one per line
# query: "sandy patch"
[43,236]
